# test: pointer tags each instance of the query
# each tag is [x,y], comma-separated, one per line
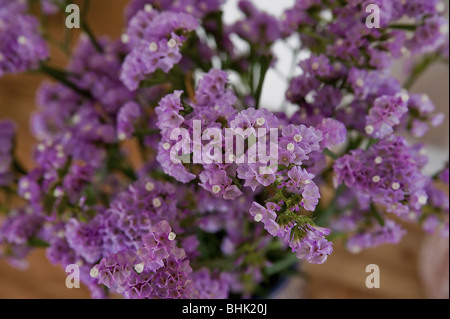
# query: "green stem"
[405,27]
[19,167]
[372,142]
[419,69]
[60,76]
[91,36]
[376,214]
[87,29]
[265,65]
[330,154]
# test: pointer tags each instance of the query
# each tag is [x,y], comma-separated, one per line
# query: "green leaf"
[37,243]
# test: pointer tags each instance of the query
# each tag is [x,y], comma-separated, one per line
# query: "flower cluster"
[7,133]
[22,47]
[161,172]
[389,173]
[155,40]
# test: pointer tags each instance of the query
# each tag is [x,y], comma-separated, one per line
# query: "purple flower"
[158,269]
[86,239]
[7,133]
[391,233]
[385,114]
[388,172]
[128,115]
[259,28]
[210,285]
[219,183]
[155,44]
[22,47]
[334,133]
[134,211]
[212,94]
[429,36]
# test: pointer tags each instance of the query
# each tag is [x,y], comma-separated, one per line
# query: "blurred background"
[416,268]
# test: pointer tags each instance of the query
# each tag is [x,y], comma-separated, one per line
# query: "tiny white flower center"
[172,43]
[125,38]
[58,193]
[370,129]
[122,136]
[404,96]
[216,189]
[189,9]
[261,121]
[423,200]
[94,272]
[139,268]
[395,186]
[148,8]
[153,47]
[376,179]
[172,236]
[258,217]
[360,82]
[378,160]
[440,7]
[149,186]
[298,138]
[315,66]
[166,146]
[290,147]
[22,40]
[157,202]
[444,29]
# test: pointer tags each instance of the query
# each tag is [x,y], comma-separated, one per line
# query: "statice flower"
[50,7]
[208,285]
[429,36]
[334,133]
[183,208]
[385,114]
[305,239]
[21,226]
[7,133]
[158,269]
[390,233]
[86,239]
[388,172]
[22,47]
[155,42]
[134,211]
[128,115]
[259,28]
[422,115]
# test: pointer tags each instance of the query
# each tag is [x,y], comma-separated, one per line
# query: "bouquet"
[227,195]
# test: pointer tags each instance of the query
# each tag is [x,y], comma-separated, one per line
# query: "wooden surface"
[342,276]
